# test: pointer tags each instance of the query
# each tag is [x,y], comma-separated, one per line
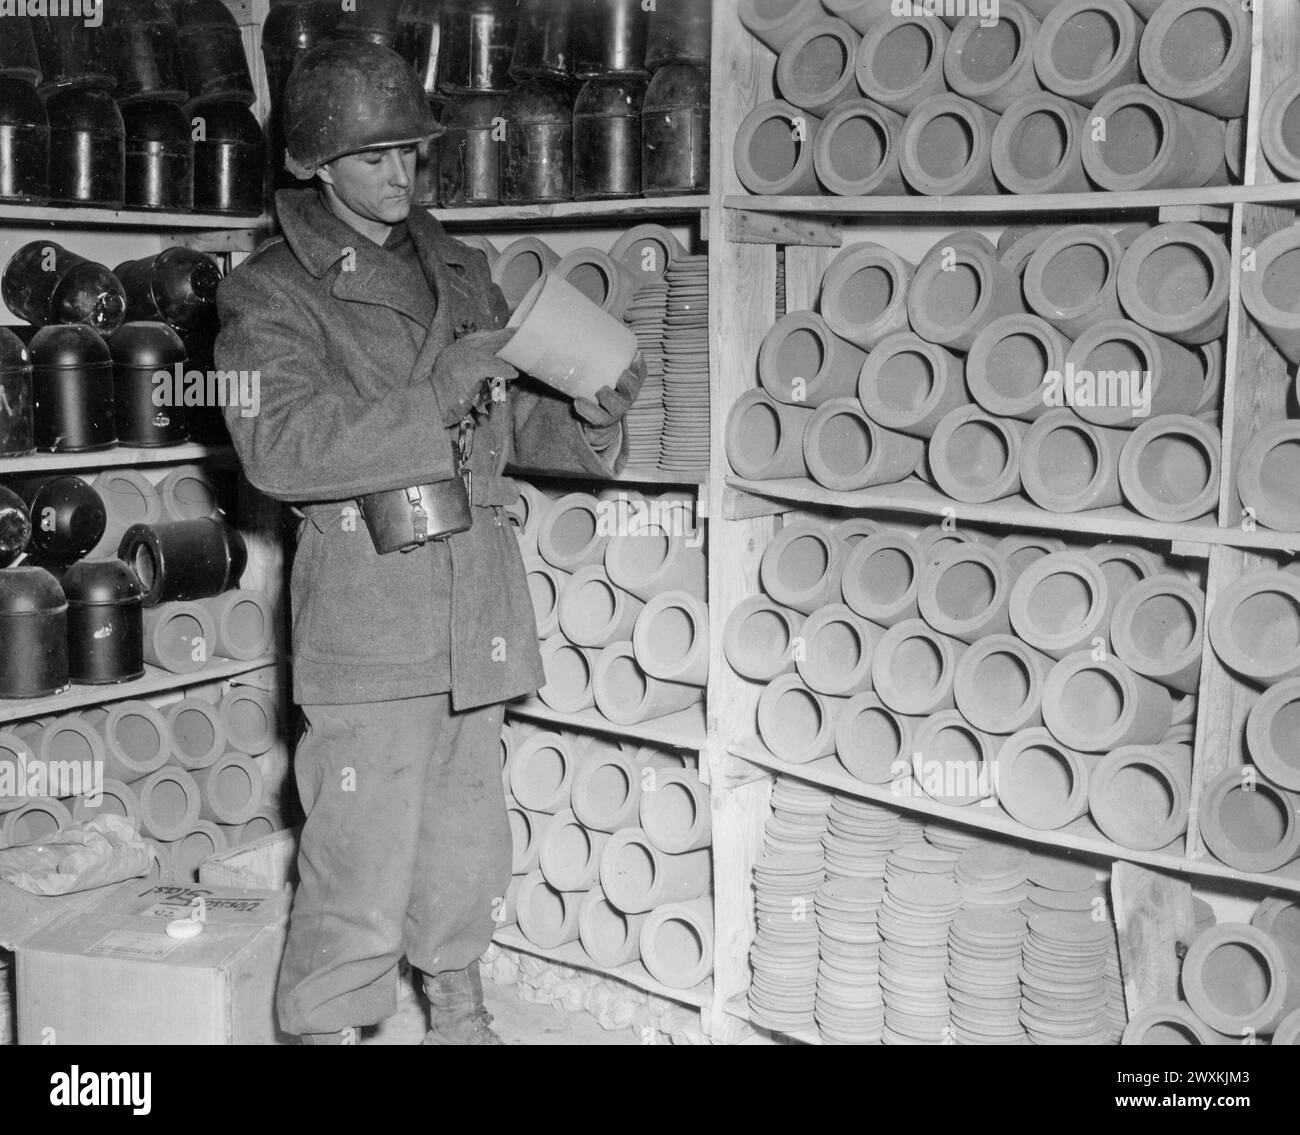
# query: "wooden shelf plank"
[829,773]
[107,458]
[632,475]
[738,1006]
[155,681]
[576,211]
[55,216]
[634,973]
[914,496]
[681,730]
[1009,203]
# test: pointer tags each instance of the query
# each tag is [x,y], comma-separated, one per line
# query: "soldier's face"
[375,184]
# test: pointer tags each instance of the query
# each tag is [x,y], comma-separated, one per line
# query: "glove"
[606,412]
[463,366]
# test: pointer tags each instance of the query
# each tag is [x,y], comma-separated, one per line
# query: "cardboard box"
[268,863]
[112,975]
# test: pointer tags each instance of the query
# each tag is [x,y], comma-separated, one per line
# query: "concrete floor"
[516,1021]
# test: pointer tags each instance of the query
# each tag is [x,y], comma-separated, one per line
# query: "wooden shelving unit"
[634,973]
[681,730]
[155,681]
[575,212]
[115,458]
[745,232]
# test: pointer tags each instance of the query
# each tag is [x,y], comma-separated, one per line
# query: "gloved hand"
[604,415]
[462,366]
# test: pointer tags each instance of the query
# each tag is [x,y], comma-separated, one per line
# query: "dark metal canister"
[607,138]
[178,286]
[609,38]
[15,526]
[229,161]
[140,352]
[18,58]
[679,33]
[16,438]
[87,148]
[72,389]
[537,165]
[372,20]
[73,55]
[68,518]
[292,29]
[24,143]
[105,621]
[146,51]
[543,41]
[478,39]
[470,152]
[184,559]
[33,634]
[44,283]
[212,54]
[159,157]
[419,39]
[675,131]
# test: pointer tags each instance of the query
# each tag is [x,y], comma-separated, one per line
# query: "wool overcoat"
[345,358]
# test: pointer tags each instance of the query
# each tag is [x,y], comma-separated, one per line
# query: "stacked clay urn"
[1055,683]
[195,774]
[618,584]
[1078,367]
[869,101]
[1239,983]
[611,851]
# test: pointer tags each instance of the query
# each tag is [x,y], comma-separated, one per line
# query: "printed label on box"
[134,944]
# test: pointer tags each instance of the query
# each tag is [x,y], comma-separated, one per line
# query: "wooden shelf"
[1006,204]
[829,773]
[916,497]
[56,216]
[576,212]
[155,681]
[738,1006]
[108,458]
[681,730]
[634,973]
[632,475]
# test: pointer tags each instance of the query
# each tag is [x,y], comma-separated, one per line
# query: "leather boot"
[340,1036]
[456,1011]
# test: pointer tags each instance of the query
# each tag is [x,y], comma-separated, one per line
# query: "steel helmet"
[347,96]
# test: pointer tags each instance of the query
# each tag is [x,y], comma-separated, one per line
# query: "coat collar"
[320,241]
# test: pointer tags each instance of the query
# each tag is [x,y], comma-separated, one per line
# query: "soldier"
[387,420]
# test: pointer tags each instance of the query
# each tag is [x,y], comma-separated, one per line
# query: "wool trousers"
[406,851]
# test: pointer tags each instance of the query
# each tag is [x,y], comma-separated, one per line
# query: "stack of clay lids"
[849,1007]
[1061,884]
[784,956]
[859,837]
[1063,987]
[920,859]
[685,446]
[911,829]
[914,921]
[992,875]
[953,838]
[645,420]
[984,945]
[798,821]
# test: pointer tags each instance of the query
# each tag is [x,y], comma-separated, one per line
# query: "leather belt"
[489,490]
